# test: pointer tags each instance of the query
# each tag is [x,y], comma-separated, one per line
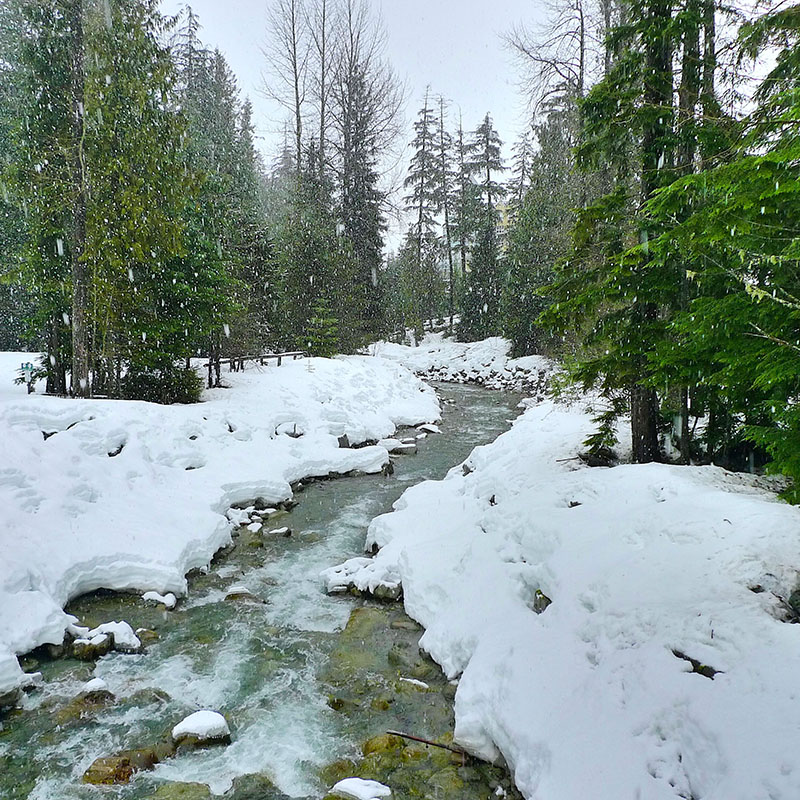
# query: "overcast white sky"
[453,45]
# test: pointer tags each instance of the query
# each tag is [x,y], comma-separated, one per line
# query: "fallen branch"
[457,750]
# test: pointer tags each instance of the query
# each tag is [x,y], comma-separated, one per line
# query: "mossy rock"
[119,768]
[10,699]
[109,771]
[337,771]
[147,636]
[447,783]
[383,743]
[199,743]
[254,787]
[86,650]
[84,706]
[182,791]
[363,623]
[405,624]
[382,703]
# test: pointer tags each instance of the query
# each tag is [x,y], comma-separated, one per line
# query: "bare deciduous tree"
[287,53]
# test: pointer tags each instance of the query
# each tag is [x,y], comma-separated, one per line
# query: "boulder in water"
[201,729]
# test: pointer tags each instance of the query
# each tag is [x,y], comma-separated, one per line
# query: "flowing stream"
[304,679]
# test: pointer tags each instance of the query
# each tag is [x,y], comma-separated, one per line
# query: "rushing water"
[299,689]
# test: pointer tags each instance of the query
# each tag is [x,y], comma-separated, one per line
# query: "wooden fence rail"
[236,363]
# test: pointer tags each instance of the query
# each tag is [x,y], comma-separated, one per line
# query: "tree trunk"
[80,385]
[688,98]
[656,171]
[644,433]
[56,371]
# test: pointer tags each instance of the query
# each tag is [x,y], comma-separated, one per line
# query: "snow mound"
[67,465]
[167,600]
[94,685]
[125,640]
[661,669]
[371,576]
[360,789]
[205,725]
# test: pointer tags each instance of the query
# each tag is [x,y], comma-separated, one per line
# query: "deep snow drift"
[128,495]
[647,567]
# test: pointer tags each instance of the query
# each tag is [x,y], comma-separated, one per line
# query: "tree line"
[139,226]
[656,246]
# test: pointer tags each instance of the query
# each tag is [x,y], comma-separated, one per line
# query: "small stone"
[540,601]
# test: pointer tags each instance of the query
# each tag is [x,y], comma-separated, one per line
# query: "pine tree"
[443,146]
[540,235]
[465,201]
[609,284]
[483,282]
[424,180]
[483,286]
[485,159]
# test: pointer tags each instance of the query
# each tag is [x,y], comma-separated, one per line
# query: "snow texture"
[360,789]
[647,568]
[205,725]
[132,495]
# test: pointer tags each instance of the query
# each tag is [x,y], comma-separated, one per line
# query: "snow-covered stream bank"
[486,363]
[134,495]
[663,668]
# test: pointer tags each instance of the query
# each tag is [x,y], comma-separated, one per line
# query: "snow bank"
[132,496]
[655,573]
[439,358]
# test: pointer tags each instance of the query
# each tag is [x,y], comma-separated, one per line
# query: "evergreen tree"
[540,235]
[609,284]
[733,223]
[485,159]
[424,180]
[465,201]
[483,282]
[483,286]
[443,146]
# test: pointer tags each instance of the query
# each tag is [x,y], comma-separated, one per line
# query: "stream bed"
[308,683]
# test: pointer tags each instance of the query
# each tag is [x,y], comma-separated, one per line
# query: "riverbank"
[132,496]
[485,363]
[615,632]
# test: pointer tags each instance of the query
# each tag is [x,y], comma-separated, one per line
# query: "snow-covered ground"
[647,567]
[128,495]
[440,358]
